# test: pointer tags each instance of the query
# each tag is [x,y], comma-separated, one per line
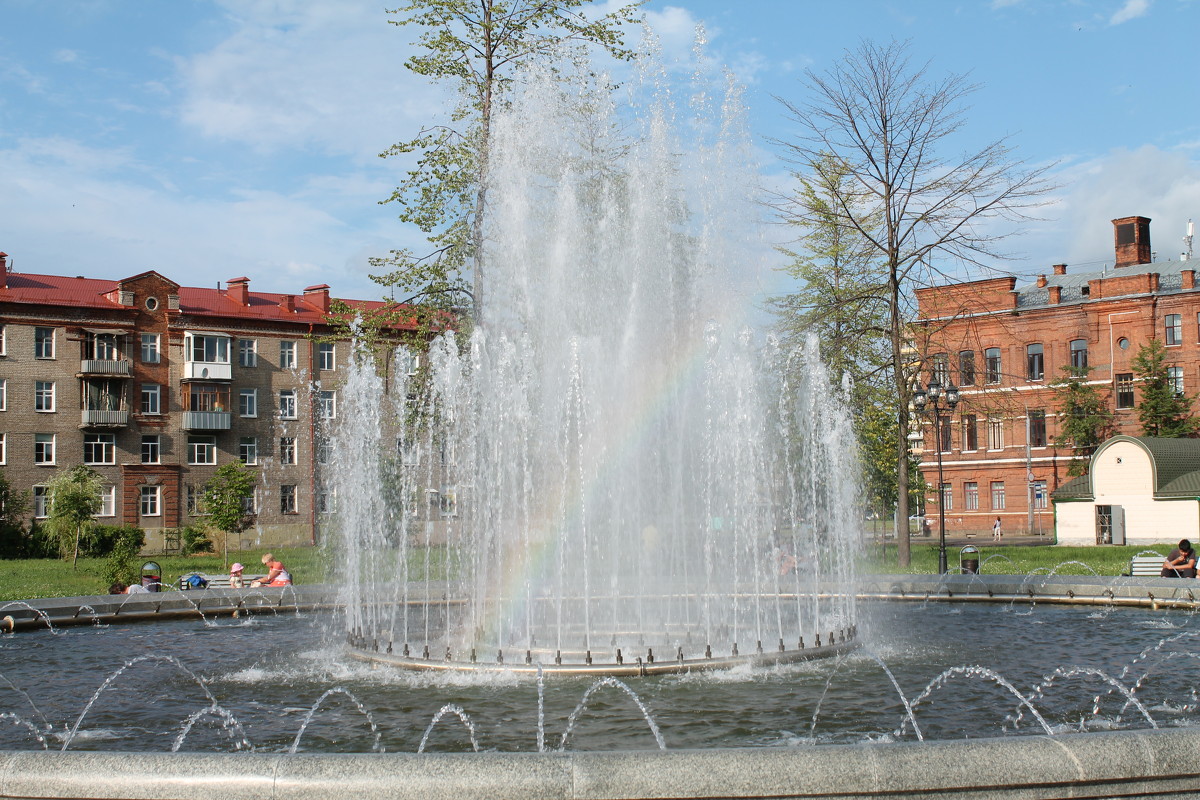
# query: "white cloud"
[1131,10]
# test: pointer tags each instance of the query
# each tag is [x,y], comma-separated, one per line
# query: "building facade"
[155,385]
[1004,344]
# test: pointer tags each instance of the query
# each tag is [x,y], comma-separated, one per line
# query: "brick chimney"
[1132,238]
[318,297]
[239,291]
[288,303]
[1060,269]
[3,270]
[1041,281]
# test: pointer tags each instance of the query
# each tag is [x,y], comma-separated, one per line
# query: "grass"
[34,578]
[1016,560]
[25,579]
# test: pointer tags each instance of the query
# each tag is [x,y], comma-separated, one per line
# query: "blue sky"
[210,139]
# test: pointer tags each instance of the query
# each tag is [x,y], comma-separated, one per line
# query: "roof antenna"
[1187,242]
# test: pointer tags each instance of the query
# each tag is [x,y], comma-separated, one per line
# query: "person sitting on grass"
[1181,562]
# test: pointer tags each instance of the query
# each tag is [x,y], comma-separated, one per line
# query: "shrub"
[194,539]
[125,545]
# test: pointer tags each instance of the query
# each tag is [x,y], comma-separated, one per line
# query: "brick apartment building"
[154,385]
[1003,344]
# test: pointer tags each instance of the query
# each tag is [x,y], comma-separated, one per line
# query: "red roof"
[57,290]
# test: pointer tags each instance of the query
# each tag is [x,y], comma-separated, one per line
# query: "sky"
[211,139]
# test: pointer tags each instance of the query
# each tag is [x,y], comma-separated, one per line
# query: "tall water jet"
[610,472]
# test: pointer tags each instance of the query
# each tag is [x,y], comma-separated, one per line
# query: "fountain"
[609,474]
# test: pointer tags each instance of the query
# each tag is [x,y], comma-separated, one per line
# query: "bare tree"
[890,128]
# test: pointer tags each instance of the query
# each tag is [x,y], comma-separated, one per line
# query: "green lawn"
[1015,560]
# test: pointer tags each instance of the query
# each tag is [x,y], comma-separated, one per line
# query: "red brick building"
[154,385]
[1003,344]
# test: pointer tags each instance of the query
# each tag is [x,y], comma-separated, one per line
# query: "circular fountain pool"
[277,685]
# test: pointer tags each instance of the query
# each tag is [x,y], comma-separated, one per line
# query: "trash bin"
[151,576]
[968,560]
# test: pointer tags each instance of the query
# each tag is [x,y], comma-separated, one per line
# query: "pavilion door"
[1110,525]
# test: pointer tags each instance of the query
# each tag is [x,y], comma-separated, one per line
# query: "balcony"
[206,420]
[207,371]
[105,366]
[96,417]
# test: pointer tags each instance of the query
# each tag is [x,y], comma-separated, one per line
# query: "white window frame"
[151,444]
[108,502]
[287,355]
[289,501]
[3,448]
[41,501]
[971,495]
[150,349]
[287,404]
[247,352]
[3,340]
[151,399]
[248,450]
[43,345]
[217,354]
[43,397]
[149,501]
[201,445]
[1175,380]
[995,433]
[40,448]
[327,404]
[248,402]
[107,442]
[998,494]
[3,394]
[326,356]
[287,450]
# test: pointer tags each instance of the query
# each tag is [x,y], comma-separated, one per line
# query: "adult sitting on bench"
[1181,562]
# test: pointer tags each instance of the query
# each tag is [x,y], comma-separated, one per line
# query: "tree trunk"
[75,558]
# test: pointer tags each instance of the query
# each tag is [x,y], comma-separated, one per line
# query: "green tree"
[1085,419]
[225,496]
[475,45]
[1162,411]
[13,507]
[891,128]
[75,497]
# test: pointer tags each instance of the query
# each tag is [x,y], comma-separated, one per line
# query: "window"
[1079,354]
[3,448]
[41,502]
[410,361]
[287,355]
[248,402]
[3,341]
[997,495]
[108,502]
[43,396]
[43,448]
[995,433]
[287,450]
[151,398]
[43,342]
[947,496]
[151,449]
[202,449]
[208,397]
[1035,365]
[966,368]
[991,365]
[250,504]
[248,450]
[148,501]
[287,499]
[941,368]
[195,501]
[287,404]
[971,496]
[3,394]
[327,405]
[324,501]
[1040,495]
[1037,428]
[325,356]
[1173,329]
[247,352]
[943,434]
[324,451]
[210,349]
[1124,390]
[1175,380]
[99,448]
[970,433]
[149,348]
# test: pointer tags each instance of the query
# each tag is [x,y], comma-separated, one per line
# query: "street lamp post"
[930,399]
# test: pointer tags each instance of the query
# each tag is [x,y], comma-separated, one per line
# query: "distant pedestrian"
[996,530]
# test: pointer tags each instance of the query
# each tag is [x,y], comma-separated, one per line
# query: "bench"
[215,581]
[1146,566]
